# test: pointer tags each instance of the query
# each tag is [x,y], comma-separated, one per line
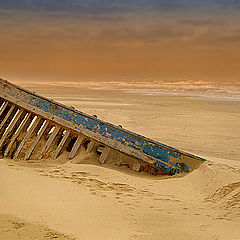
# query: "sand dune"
[63,200]
[93,202]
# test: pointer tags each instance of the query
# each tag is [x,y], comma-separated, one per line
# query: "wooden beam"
[50,141]
[90,146]
[29,152]
[76,146]
[10,127]
[103,157]
[17,133]
[61,144]
[4,105]
[7,116]
[27,136]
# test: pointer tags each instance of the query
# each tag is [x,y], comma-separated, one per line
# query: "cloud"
[200,23]
[73,6]
[228,3]
[168,5]
[149,34]
[124,21]
[81,8]
[91,6]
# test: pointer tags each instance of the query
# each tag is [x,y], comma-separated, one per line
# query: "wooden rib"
[4,105]
[28,154]
[50,140]
[7,116]
[27,136]
[16,134]
[103,157]
[11,126]
[61,144]
[90,146]
[136,167]
[76,146]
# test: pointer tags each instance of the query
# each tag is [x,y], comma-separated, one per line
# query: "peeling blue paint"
[119,135]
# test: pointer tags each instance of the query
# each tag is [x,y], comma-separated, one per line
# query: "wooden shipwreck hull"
[26,119]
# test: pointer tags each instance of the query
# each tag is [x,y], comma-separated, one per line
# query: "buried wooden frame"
[83,126]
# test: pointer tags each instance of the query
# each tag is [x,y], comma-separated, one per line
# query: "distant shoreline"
[191,89]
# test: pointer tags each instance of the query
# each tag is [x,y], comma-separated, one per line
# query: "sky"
[120,40]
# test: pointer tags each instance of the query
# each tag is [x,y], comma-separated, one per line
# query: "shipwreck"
[27,120]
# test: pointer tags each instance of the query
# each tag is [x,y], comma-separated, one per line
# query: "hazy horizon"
[93,40]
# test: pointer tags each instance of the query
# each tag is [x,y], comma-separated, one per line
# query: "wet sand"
[86,201]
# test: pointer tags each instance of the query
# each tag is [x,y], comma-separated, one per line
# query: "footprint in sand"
[93,192]
[129,195]
[80,173]
[118,193]
[97,182]
[109,188]
[81,179]
[67,177]
[203,227]
[18,225]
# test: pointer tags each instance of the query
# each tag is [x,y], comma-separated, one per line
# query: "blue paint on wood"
[135,141]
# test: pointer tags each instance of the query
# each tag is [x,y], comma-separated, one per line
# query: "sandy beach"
[49,199]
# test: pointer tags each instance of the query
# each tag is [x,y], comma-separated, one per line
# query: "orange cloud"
[68,48]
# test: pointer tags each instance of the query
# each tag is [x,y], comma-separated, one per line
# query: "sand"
[65,200]
[12,228]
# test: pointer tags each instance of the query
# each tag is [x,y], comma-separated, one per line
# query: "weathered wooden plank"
[76,146]
[27,136]
[7,116]
[103,157]
[61,144]
[90,146]
[3,107]
[50,140]
[11,126]
[17,133]
[29,152]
